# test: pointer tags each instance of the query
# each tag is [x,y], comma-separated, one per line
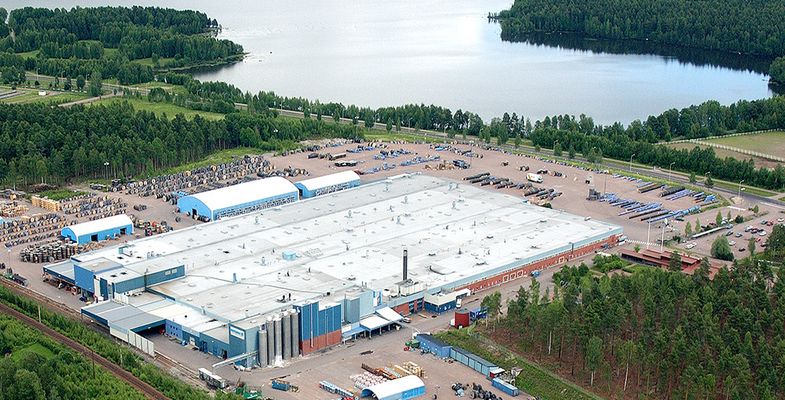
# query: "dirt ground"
[337,364]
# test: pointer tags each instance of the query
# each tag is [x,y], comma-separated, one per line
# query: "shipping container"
[505,387]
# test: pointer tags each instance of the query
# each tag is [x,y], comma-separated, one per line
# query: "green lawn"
[37,348]
[408,137]
[29,54]
[766,142]
[149,61]
[179,89]
[60,194]
[31,96]
[535,380]
[162,108]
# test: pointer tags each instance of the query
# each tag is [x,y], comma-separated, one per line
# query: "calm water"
[381,52]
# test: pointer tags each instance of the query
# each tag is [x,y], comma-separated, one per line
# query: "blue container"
[505,387]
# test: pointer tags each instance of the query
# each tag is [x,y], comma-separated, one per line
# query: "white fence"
[707,142]
[135,340]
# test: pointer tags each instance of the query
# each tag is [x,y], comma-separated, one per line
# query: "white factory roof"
[455,234]
[330,180]
[394,387]
[373,322]
[389,314]
[245,192]
[99,225]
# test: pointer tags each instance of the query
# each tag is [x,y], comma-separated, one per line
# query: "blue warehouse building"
[264,288]
[328,184]
[100,229]
[239,199]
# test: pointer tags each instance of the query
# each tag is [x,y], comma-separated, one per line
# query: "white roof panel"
[395,386]
[330,180]
[389,314]
[373,322]
[90,227]
[245,192]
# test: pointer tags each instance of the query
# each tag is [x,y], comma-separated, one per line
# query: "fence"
[707,142]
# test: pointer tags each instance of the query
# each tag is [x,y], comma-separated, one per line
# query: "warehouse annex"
[262,288]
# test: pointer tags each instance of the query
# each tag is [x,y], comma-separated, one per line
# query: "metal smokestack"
[406,265]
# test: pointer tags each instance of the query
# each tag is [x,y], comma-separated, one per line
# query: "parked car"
[738,235]
[732,243]
[729,233]
[762,233]
[689,246]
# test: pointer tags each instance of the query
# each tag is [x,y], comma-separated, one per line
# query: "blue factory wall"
[319,328]
[187,204]
[308,193]
[85,278]
[98,235]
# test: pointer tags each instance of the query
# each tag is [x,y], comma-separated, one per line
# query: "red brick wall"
[525,270]
[320,342]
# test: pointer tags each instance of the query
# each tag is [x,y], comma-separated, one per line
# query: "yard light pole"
[670,170]
[106,169]
[740,182]
[633,155]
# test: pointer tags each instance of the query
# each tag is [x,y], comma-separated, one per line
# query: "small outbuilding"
[327,184]
[239,199]
[404,388]
[100,229]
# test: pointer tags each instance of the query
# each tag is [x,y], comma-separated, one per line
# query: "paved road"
[86,101]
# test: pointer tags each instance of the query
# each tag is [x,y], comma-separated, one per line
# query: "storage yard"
[313,268]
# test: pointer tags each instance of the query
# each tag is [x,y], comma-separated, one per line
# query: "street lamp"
[106,169]
[670,170]
[633,155]
[740,182]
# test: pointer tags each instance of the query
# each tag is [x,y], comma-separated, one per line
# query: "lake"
[381,53]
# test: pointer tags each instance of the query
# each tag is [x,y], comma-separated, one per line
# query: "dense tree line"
[73,42]
[574,134]
[777,70]
[38,142]
[27,375]
[640,138]
[658,334]
[170,386]
[749,27]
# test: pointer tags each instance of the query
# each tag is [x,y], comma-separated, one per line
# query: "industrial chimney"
[405,265]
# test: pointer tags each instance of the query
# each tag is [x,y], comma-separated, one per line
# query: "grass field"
[149,61]
[162,108]
[36,348]
[28,54]
[534,379]
[772,143]
[722,153]
[60,194]
[31,96]
[766,142]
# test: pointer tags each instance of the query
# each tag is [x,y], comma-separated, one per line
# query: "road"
[673,176]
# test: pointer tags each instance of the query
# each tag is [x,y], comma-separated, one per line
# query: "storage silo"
[295,317]
[263,359]
[269,327]
[278,341]
[287,335]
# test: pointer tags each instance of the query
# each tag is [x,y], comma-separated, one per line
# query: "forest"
[34,367]
[755,27]
[75,42]
[54,144]
[170,386]
[579,135]
[656,334]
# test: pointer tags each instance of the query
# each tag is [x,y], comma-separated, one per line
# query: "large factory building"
[271,285]
[238,199]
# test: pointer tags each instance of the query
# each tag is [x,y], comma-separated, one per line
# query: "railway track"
[138,384]
[146,389]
